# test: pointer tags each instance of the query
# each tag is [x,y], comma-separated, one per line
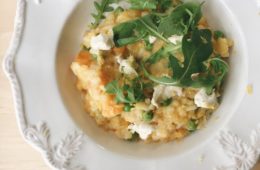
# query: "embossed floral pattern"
[243,155]
[60,155]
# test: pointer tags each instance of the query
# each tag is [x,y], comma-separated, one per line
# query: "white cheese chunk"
[101,42]
[125,65]
[114,5]
[175,39]
[152,39]
[162,92]
[143,129]
[202,99]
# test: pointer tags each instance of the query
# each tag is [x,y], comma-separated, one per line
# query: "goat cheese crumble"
[152,39]
[202,99]
[125,65]
[162,92]
[143,129]
[175,39]
[101,42]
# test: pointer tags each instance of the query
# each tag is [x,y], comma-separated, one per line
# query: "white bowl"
[219,17]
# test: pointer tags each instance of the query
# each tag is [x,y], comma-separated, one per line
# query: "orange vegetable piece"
[119,51]
[84,58]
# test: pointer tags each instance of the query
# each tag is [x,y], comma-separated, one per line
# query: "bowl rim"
[198,144]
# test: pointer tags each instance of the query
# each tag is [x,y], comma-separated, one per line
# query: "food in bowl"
[152,71]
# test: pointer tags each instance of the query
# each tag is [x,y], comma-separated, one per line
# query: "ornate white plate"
[49,112]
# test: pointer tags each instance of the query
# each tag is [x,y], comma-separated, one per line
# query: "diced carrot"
[107,73]
[119,51]
[84,58]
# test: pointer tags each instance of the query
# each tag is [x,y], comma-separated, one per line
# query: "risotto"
[151,71]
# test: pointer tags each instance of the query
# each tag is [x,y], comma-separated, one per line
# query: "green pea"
[192,126]
[218,34]
[166,102]
[147,116]
[127,108]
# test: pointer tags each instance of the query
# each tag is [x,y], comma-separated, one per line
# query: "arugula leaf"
[113,88]
[181,19]
[150,24]
[137,88]
[214,75]
[143,4]
[132,31]
[102,7]
[129,93]
[196,49]
[220,68]
[125,33]
[155,57]
[164,52]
